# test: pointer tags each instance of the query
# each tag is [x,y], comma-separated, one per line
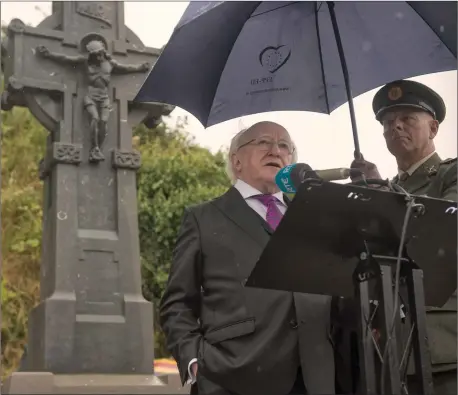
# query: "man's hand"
[369,170]
[42,51]
[145,66]
[376,334]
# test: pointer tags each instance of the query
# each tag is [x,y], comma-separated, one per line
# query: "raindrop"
[62,215]
[399,15]
[367,46]
[296,16]
[442,28]
[441,253]
[258,369]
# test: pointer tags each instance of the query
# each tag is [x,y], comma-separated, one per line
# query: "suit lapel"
[234,207]
[421,176]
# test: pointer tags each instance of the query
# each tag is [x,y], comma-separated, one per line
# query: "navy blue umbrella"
[230,59]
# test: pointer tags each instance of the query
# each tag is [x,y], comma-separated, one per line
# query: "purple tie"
[274,214]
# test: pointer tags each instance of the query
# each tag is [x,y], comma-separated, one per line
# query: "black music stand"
[343,240]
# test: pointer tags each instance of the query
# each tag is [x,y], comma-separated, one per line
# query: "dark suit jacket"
[245,339]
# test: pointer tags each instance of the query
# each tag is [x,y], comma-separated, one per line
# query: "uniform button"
[293,323]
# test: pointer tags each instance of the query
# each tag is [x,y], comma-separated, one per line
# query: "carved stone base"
[63,336]
[48,383]
[96,155]
[126,159]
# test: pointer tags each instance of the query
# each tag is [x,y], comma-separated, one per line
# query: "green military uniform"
[435,178]
[438,179]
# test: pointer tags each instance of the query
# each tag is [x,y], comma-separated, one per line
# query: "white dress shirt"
[247,192]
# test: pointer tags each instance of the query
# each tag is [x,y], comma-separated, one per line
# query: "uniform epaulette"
[448,161]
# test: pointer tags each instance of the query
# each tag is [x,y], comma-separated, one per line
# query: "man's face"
[97,57]
[264,150]
[408,131]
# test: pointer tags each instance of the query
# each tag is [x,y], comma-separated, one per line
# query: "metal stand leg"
[392,376]
[397,352]
[368,385]
[422,357]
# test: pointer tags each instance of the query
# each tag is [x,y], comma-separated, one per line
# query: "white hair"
[234,147]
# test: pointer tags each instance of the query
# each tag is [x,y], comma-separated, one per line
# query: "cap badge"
[394,93]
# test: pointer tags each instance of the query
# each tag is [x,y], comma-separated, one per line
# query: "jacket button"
[293,323]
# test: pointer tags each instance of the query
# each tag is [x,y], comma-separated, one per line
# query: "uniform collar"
[247,191]
[415,166]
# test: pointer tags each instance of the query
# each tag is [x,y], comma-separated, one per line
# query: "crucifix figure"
[99,66]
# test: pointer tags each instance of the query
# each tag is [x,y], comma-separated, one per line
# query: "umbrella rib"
[323,76]
[255,5]
[427,24]
[178,28]
[275,9]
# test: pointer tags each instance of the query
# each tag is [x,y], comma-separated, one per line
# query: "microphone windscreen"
[290,177]
[283,179]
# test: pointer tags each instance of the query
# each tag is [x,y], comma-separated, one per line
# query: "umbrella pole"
[343,63]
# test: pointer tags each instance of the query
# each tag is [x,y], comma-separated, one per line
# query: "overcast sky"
[324,141]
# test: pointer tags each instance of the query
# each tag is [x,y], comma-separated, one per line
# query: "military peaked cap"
[406,93]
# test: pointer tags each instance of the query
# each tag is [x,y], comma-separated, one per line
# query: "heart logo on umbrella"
[273,58]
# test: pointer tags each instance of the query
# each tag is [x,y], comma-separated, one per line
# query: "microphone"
[290,177]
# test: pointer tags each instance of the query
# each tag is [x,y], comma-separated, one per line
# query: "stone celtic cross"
[78,72]
[98,66]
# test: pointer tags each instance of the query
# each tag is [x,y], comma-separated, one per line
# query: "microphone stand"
[389,272]
[377,281]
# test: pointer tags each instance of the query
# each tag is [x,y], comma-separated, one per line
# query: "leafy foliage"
[23,144]
[175,173]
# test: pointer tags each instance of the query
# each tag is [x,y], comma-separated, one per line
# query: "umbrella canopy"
[230,59]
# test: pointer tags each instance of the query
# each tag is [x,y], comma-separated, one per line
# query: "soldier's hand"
[369,169]
[42,50]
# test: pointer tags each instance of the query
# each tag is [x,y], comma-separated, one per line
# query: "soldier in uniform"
[410,114]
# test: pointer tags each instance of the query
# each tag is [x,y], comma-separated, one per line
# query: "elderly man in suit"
[410,114]
[229,339]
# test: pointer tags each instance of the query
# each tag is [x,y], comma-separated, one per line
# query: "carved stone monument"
[78,72]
